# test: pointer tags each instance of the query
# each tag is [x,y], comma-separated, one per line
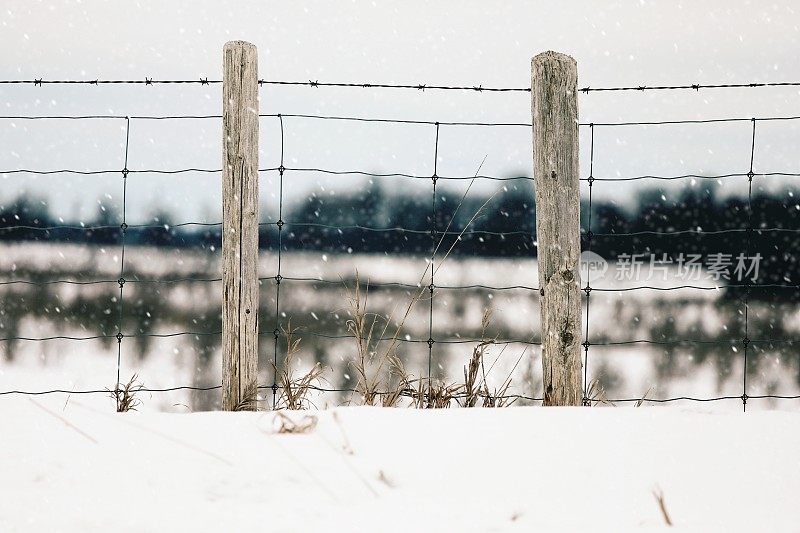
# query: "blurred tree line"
[374,220]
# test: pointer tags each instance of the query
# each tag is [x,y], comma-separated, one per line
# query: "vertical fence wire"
[432,286]
[123,227]
[588,289]
[277,331]
[748,233]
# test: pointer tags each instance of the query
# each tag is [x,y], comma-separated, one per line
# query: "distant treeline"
[372,220]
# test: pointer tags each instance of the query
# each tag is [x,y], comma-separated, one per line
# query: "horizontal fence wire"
[109,336]
[404,393]
[714,177]
[401,229]
[279,277]
[403,121]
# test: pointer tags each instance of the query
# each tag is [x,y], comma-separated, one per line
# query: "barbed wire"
[310,83]
[691,86]
[40,82]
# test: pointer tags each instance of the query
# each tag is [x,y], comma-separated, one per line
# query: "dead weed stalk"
[381,377]
[125,397]
[373,358]
[373,352]
[295,388]
[596,394]
[249,400]
[283,424]
[658,494]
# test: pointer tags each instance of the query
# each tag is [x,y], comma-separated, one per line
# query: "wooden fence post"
[239,226]
[554,79]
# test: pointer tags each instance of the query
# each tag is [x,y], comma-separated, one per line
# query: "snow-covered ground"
[75,468]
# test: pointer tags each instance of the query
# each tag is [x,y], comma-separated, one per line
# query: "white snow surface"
[74,468]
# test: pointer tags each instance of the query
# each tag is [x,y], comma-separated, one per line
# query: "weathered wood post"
[239,226]
[554,79]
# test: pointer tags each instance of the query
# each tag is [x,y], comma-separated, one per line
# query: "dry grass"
[381,377]
[284,424]
[643,399]
[437,394]
[386,480]
[376,354]
[658,494]
[398,381]
[295,388]
[421,393]
[373,352]
[125,395]
[472,387]
[380,372]
[497,397]
[249,400]
[596,394]
[376,368]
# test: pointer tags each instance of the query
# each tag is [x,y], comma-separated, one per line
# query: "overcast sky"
[437,42]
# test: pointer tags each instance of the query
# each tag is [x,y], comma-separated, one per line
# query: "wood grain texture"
[239,226]
[554,79]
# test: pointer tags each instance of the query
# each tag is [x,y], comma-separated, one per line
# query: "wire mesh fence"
[434,237]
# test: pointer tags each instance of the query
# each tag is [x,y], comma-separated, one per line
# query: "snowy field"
[77,469]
